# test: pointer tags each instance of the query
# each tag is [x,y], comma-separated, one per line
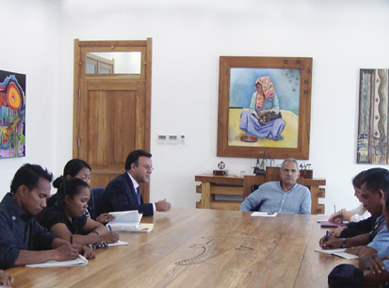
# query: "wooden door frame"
[146,68]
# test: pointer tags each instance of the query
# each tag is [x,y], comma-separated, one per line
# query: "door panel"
[111,117]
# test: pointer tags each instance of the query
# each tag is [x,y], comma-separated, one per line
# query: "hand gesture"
[104,218]
[162,206]
[86,251]
[330,242]
[375,264]
[110,237]
[336,217]
[66,252]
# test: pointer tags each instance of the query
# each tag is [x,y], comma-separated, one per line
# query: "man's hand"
[354,250]
[66,252]
[331,243]
[86,251]
[110,237]
[162,206]
[336,217]
[6,279]
[104,218]
[373,263]
[337,231]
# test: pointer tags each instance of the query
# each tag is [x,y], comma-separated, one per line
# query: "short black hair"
[29,175]
[69,187]
[377,179]
[357,180]
[71,169]
[134,156]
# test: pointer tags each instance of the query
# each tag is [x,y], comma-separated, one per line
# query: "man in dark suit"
[123,192]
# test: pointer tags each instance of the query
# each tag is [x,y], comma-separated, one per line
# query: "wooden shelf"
[235,185]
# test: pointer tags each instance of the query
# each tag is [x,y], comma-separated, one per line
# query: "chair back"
[94,203]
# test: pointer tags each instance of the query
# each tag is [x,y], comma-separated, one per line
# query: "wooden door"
[111,111]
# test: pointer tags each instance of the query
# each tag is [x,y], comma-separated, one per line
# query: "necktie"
[138,194]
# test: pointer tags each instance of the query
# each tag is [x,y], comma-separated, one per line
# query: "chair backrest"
[94,203]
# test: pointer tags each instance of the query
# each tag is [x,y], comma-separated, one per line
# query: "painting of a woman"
[264,119]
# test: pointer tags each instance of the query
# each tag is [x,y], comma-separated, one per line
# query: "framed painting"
[264,107]
[373,126]
[12,114]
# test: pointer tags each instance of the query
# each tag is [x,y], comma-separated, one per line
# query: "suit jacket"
[120,195]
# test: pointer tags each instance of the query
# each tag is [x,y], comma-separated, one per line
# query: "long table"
[202,248]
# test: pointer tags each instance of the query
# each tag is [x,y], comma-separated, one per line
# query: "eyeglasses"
[148,168]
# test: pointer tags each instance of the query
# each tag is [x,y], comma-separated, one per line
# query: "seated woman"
[357,214]
[78,168]
[264,119]
[66,218]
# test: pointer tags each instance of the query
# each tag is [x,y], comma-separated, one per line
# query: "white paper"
[337,252]
[127,219]
[263,214]
[79,261]
[119,243]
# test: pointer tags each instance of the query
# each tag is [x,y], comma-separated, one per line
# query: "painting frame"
[304,65]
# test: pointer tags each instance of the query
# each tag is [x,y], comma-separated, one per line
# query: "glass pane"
[118,62]
[90,68]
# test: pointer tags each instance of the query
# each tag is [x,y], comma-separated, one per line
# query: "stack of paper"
[79,261]
[125,220]
[264,214]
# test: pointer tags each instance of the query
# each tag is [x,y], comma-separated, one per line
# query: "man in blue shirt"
[285,196]
[22,240]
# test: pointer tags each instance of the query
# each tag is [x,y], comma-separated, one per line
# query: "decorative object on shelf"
[250,119]
[221,171]
[306,171]
[259,168]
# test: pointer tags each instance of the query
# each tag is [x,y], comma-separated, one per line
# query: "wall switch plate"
[162,139]
[173,139]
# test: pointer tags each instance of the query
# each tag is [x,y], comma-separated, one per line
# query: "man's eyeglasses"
[148,168]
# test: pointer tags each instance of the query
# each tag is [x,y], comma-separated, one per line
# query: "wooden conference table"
[202,248]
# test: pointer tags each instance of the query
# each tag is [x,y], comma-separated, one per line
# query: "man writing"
[375,189]
[285,196]
[123,192]
[22,240]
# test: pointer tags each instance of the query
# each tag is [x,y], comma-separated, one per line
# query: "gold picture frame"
[291,77]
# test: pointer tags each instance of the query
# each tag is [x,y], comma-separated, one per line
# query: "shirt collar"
[136,185]
[14,209]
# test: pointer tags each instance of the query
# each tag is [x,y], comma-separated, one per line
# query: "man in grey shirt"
[285,196]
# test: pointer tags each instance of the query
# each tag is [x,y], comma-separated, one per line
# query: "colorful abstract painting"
[373,125]
[12,114]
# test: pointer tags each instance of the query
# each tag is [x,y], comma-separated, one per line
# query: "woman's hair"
[357,180]
[71,169]
[69,187]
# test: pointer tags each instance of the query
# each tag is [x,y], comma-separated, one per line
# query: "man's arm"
[118,196]
[306,204]
[251,201]
[334,243]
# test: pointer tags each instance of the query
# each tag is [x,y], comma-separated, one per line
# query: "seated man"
[20,233]
[123,192]
[285,196]
[375,188]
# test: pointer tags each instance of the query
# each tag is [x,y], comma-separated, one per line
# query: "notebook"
[125,220]
[79,261]
[337,252]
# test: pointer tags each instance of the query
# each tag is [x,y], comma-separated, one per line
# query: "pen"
[71,239]
[110,229]
[325,239]
[334,208]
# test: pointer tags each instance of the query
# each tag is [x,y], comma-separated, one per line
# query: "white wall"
[29,45]
[188,38]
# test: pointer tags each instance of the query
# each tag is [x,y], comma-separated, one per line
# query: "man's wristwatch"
[344,242]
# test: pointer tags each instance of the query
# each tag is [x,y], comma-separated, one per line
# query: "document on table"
[263,214]
[337,252]
[125,220]
[79,261]
[119,243]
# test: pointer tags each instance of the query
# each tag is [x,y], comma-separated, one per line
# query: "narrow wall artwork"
[12,114]
[373,124]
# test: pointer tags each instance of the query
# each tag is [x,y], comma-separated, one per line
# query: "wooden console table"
[235,185]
